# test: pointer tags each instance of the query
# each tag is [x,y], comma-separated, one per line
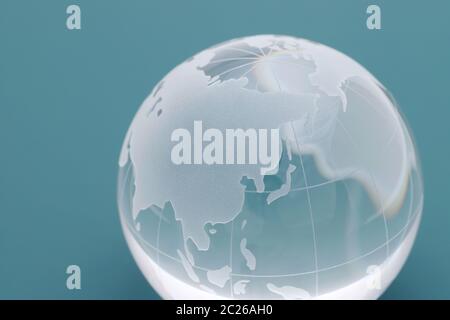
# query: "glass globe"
[269,167]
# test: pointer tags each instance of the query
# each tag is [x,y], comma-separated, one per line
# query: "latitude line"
[314,186]
[287,274]
[336,265]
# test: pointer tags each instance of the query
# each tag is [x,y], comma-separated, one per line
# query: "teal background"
[67,98]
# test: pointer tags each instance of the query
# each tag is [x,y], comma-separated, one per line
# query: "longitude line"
[308,196]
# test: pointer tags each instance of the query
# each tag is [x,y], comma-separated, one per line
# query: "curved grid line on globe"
[402,232]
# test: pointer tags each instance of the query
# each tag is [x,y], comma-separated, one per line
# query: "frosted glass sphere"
[269,167]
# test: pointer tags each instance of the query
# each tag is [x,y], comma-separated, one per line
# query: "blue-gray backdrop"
[67,98]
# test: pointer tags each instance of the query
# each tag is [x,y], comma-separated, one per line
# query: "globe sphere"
[269,167]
